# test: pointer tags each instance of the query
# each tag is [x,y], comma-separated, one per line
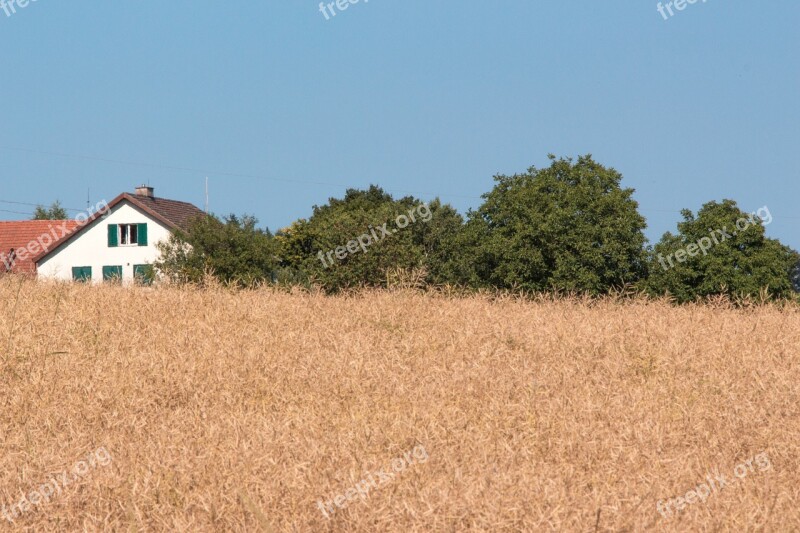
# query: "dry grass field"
[208,410]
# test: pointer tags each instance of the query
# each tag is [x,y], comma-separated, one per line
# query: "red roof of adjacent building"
[32,235]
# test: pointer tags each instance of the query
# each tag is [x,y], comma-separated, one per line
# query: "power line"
[213,172]
[16,212]
[254,176]
[36,205]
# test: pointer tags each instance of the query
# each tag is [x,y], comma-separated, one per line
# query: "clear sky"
[283,109]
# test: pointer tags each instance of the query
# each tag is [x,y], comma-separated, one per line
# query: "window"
[143,274]
[82,274]
[112,273]
[127,235]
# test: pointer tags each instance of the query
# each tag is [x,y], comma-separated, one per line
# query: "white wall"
[90,248]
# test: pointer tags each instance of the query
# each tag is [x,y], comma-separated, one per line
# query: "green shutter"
[82,274]
[143,274]
[112,273]
[142,231]
[113,236]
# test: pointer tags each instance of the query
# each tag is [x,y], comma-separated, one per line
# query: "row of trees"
[568,227]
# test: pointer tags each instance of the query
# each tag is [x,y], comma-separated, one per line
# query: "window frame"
[124,234]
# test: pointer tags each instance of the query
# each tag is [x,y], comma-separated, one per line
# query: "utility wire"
[37,205]
[252,176]
[16,212]
[215,173]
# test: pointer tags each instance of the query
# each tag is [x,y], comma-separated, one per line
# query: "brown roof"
[38,236]
[176,214]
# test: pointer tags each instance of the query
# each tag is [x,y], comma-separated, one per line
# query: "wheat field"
[180,409]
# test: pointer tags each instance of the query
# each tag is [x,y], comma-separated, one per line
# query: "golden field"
[240,411]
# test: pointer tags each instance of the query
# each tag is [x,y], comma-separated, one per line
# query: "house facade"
[118,243]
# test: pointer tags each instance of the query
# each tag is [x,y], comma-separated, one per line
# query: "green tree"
[567,227]
[722,250]
[233,249]
[316,249]
[54,212]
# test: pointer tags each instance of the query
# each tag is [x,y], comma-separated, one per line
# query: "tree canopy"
[232,249]
[54,212]
[357,240]
[722,250]
[567,227]
[571,226]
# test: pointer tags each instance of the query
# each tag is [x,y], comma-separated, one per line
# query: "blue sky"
[283,109]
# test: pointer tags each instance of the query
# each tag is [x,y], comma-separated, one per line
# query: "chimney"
[144,190]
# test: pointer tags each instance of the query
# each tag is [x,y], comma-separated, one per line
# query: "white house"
[118,243]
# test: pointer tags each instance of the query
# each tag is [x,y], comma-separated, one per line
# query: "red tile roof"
[35,235]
